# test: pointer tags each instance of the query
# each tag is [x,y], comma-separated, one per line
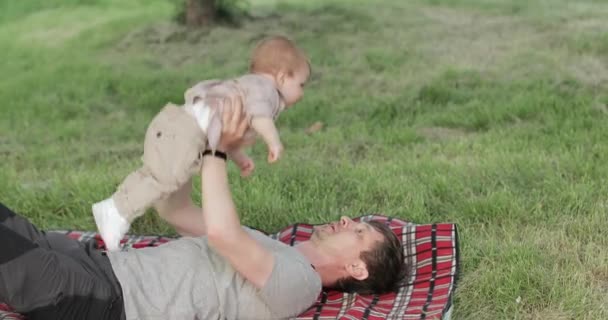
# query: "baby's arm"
[242,160]
[265,127]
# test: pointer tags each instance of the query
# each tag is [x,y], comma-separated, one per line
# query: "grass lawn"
[488,113]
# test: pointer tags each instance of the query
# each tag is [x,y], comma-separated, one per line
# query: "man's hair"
[277,53]
[385,265]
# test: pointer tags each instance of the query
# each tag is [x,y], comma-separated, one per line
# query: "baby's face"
[292,88]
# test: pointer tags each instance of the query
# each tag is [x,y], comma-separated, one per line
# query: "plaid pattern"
[6,314]
[432,250]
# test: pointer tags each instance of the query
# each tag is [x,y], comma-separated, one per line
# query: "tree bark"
[200,12]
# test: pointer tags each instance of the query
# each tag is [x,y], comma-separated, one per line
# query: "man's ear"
[357,270]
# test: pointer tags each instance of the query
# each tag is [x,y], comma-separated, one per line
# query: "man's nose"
[345,221]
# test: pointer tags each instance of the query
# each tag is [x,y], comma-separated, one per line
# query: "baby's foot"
[247,166]
[111,225]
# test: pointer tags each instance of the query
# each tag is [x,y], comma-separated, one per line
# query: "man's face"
[346,239]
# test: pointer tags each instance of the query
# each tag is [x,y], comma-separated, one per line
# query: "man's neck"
[325,265]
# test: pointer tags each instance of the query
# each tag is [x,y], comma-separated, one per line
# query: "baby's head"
[279,57]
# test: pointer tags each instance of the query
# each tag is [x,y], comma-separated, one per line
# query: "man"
[225,272]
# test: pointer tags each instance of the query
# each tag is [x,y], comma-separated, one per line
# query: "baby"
[178,136]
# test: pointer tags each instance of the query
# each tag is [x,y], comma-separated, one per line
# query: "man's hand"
[234,123]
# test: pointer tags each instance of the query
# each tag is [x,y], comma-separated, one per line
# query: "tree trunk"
[200,12]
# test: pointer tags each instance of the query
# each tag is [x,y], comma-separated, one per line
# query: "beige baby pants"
[172,154]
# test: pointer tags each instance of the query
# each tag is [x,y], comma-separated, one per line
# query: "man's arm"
[180,212]
[224,230]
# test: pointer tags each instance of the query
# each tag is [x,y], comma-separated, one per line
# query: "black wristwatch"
[217,154]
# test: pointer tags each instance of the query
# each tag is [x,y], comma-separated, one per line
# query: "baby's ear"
[214,130]
[280,77]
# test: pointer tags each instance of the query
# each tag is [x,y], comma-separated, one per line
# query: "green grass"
[487,113]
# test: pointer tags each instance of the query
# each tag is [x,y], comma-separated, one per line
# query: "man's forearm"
[225,234]
[179,211]
[219,211]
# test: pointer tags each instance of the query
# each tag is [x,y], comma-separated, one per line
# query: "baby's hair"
[278,53]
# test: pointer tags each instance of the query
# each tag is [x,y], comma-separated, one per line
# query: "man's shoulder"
[259,235]
[254,230]
[274,245]
[293,285]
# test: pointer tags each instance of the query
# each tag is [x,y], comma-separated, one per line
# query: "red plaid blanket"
[432,250]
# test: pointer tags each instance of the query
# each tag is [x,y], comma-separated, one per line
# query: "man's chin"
[316,235]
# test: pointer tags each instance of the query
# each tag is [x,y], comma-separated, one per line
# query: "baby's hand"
[246,165]
[274,153]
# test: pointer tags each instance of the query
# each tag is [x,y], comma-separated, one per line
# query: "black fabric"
[216,153]
[20,225]
[13,245]
[77,308]
[5,213]
[50,276]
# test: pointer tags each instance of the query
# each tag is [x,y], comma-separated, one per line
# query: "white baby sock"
[111,225]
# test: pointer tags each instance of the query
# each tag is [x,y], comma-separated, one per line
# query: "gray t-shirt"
[186,279]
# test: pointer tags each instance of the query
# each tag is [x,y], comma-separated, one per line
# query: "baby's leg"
[171,149]
[138,192]
[135,194]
